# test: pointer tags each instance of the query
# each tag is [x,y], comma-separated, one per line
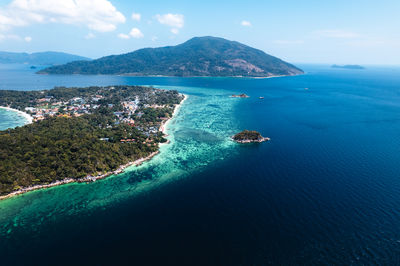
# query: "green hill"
[200,56]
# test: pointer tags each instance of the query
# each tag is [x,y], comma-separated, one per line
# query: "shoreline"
[263,139]
[26,116]
[238,77]
[163,127]
[91,178]
[166,76]
[88,178]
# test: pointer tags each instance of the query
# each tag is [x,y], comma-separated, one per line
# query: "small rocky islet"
[239,96]
[249,136]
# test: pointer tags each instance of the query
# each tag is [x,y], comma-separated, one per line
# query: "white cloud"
[97,15]
[90,35]
[340,34]
[123,36]
[172,20]
[245,23]
[136,33]
[28,39]
[174,31]
[154,38]
[136,16]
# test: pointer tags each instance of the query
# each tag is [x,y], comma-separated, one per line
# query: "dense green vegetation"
[44,58]
[153,115]
[74,147]
[57,148]
[247,135]
[113,95]
[202,56]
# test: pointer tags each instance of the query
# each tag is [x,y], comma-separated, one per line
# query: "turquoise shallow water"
[199,135]
[324,191]
[10,119]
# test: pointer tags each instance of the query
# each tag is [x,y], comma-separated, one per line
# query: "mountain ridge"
[199,56]
[39,58]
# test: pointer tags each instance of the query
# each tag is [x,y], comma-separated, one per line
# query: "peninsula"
[81,134]
[198,57]
[248,136]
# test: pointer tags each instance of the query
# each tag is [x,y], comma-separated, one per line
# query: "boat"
[261,97]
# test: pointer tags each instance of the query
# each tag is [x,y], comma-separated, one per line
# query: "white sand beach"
[163,127]
[26,116]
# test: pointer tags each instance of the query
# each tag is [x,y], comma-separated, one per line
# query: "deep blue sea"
[324,191]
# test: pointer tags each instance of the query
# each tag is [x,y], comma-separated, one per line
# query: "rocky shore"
[81,180]
[252,141]
[239,96]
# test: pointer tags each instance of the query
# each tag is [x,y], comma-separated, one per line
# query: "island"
[348,66]
[249,136]
[198,57]
[81,134]
[239,96]
[41,58]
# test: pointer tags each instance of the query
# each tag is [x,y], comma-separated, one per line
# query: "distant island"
[198,57]
[348,66]
[248,136]
[43,58]
[81,134]
[239,96]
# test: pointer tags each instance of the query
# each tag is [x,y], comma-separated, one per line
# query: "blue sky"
[308,31]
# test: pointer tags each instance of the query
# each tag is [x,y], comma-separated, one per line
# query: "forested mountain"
[200,56]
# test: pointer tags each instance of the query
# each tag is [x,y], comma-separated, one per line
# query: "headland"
[132,129]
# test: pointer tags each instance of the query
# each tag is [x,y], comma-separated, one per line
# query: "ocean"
[324,191]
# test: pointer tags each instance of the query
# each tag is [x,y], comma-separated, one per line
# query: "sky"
[308,31]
